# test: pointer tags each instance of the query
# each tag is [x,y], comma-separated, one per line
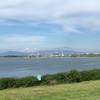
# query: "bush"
[26,82]
[18,82]
[68,77]
[47,78]
[7,83]
[60,78]
[73,76]
[90,75]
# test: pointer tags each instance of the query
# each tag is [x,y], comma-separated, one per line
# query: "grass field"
[76,91]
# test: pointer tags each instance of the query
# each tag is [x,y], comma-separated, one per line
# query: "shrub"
[90,75]
[7,83]
[67,77]
[18,82]
[73,76]
[26,82]
[46,79]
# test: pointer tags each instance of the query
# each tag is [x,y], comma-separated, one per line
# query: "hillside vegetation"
[54,79]
[59,78]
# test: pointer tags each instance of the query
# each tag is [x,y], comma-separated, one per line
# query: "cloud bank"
[70,14]
[50,18]
[47,8]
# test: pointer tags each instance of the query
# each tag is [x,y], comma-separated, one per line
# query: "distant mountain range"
[13,53]
[41,52]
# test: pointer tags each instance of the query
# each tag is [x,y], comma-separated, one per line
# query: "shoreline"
[72,76]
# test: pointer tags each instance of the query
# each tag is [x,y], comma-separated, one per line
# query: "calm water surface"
[22,67]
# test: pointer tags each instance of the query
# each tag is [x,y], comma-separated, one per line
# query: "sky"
[43,24]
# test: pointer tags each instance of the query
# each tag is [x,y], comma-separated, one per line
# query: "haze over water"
[18,67]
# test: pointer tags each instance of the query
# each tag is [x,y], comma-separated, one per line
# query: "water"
[12,67]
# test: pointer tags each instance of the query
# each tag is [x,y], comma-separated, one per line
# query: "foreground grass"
[77,91]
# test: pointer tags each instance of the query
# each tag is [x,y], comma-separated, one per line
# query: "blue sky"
[42,24]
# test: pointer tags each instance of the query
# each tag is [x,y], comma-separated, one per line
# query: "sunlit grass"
[76,91]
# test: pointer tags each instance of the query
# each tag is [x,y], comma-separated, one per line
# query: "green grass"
[77,91]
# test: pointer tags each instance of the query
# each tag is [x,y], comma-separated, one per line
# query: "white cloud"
[67,13]
[46,8]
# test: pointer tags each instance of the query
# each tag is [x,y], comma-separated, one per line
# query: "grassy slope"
[77,91]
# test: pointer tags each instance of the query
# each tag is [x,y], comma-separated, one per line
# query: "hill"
[13,53]
[77,91]
[42,52]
